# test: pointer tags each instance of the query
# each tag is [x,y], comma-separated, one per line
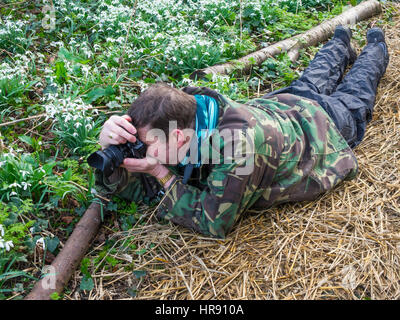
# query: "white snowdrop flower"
[78,124]
[1,230]
[31,229]
[2,163]
[6,244]
[13,194]
[85,70]
[67,117]
[23,172]
[75,134]
[9,245]
[195,59]
[41,241]
[180,62]
[15,185]
[25,185]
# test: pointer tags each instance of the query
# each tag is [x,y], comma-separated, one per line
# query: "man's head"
[161,114]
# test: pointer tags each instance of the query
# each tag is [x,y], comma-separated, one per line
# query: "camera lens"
[106,160]
[112,157]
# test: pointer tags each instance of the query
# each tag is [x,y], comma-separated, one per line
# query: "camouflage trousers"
[349,100]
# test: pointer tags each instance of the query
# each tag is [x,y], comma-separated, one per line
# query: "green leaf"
[112,261]
[132,291]
[140,252]
[67,175]
[64,53]
[99,92]
[109,91]
[95,94]
[55,296]
[139,273]
[111,206]
[84,266]
[87,283]
[26,139]
[137,74]
[61,72]
[48,168]
[52,243]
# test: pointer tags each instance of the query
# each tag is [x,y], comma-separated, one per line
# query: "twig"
[44,114]
[20,120]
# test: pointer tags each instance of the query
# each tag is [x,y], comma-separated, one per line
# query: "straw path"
[344,245]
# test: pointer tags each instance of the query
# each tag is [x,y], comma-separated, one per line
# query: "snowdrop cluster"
[3,243]
[170,30]
[20,174]
[66,108]
[19,66]
[12,29]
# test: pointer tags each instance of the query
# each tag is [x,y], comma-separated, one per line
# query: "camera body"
[112,157]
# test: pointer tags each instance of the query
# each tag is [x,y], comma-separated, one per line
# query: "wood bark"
[293,45]
[70,256]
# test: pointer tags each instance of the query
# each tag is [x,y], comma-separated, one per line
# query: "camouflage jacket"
[297,154]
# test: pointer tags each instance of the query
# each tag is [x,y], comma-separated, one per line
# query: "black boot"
[376,35]
[345,35]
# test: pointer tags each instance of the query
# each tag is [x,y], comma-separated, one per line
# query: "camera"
[112,157]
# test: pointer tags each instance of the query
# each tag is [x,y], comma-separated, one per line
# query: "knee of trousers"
[350,116]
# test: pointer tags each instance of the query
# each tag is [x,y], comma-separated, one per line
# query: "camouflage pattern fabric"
[298,154]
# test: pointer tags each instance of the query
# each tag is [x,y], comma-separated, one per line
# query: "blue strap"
[206,121]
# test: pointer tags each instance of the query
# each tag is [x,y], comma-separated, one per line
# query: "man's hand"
[145,165]
[151,167]
[117,130]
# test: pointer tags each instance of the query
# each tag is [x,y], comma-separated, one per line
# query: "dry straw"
[344,245]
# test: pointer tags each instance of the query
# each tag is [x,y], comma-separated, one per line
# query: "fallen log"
[293,45]
[69,258]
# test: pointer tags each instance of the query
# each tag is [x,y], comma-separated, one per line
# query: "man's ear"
[179,137]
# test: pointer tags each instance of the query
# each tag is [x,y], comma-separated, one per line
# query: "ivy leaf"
[52,243]
[132,291]
[86,283]
[139,273]
[111,206]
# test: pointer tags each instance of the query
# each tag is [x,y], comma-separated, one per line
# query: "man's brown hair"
[159,104]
